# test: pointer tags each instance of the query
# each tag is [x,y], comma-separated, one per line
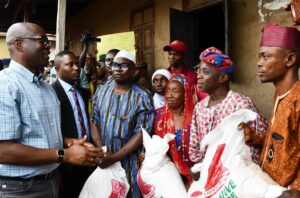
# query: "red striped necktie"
[80,116]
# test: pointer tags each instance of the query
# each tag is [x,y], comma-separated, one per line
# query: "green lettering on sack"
[232,195]
[227,191]
[232,184]
[222,195]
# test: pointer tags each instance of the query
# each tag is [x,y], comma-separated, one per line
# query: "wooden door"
[142,23]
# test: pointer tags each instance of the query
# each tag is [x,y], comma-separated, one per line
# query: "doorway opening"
[200,29]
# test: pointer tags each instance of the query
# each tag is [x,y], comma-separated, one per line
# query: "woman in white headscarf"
[159,81]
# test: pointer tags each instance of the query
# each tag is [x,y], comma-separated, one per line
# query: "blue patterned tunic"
[120,117]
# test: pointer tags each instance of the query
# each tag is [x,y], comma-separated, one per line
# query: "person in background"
[31,146]
[89,66]
[87,61]
[99,78]
[101,59]
[108,61]
[110,57]
[5,62]
[213,77]
[1,65]
[74,119]
[83,82]
[159,82]
[279,63]
[176,50]
[107,70]
[175,117]
[119,112]
[46,72]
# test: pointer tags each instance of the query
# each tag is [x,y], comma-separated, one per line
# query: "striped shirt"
[120,117]
[29,115]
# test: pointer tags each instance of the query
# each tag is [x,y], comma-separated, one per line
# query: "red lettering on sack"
[147,190]
[118,189]
[196,193]
[216,173]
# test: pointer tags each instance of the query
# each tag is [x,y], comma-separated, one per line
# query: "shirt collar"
[23,71]
[67,87]
[206,100]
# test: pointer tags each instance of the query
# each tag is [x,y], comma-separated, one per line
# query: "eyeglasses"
[123,66]
[43,38]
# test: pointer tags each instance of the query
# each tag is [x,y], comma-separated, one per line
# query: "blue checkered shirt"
[29,115]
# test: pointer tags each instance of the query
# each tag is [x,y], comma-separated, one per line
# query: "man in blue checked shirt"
[31,143]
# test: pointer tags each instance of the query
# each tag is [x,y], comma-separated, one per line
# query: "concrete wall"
[162,29]
[245,33]
[3,48]
[111,16]
[101,18]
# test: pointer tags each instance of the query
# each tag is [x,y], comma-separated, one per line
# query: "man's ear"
[223,77]
[291,59]
[57,68]
[18,45]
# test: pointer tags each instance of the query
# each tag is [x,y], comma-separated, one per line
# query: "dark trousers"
[72,179]
[36,187]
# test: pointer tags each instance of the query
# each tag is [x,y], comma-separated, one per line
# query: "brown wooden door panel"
[142,23]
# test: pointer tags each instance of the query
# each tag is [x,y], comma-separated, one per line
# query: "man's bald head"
[27,45]
[19,30]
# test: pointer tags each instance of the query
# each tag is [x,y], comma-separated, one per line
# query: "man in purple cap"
[213,76]
[279,64]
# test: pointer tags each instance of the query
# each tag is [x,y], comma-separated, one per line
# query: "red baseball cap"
[176,45]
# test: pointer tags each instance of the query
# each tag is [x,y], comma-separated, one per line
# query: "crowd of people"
[52,136]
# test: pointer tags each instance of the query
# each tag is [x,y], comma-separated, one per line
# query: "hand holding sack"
[110,182]
[158,176]
[227,169]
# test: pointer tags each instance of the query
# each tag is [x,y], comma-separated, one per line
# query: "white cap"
[125,54]
[163,72]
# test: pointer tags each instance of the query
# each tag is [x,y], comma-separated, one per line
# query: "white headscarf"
[159,100]
[163,72]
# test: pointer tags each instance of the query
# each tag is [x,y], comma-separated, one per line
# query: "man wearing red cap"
[279,63]
[176,51]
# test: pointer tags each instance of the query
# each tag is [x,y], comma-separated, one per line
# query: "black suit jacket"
[72,177]
[68,124]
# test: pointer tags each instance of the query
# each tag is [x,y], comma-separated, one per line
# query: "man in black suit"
[74,119]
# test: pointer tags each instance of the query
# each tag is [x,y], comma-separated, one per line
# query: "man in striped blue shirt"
[31,144]
[119,112]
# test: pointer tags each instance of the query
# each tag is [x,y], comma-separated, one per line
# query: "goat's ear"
[146,136]
[168,137]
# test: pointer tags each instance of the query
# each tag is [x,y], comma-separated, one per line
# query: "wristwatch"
[60,155]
